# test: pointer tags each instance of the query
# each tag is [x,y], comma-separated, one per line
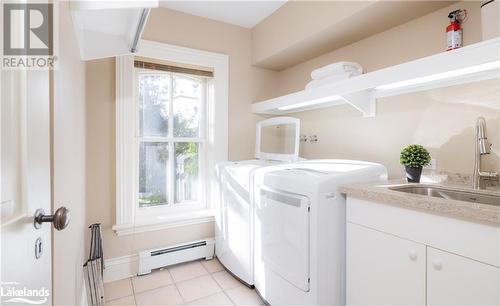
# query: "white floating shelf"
[472,63]
[108,28]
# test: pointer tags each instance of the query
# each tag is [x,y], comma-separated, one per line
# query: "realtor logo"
[28,40]
[28,29]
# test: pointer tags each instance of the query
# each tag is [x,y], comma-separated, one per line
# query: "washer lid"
[278,138]
[239,172]
[319,175]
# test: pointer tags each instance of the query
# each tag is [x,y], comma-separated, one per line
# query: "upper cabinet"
[109,28]
[480,61]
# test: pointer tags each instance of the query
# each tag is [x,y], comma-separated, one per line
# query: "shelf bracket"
[364,101]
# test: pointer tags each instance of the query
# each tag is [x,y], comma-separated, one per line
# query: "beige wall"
[69,165]
[294,24]
[247,84]
[441,120]
[418,38]
[301,30]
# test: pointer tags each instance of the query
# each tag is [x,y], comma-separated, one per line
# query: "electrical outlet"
[432,165]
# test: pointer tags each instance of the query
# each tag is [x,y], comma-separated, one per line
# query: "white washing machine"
[300,229]
[234,219]
[277,142]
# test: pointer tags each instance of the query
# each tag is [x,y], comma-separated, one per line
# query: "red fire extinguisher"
[454,33]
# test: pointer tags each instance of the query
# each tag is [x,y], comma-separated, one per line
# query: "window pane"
[186,171]
[153,104]
[187,103]
[153,160]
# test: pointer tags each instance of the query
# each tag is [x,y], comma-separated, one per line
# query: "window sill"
[164,222]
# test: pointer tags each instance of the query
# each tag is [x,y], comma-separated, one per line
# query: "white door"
[383,269]
[25,187]
[456,280]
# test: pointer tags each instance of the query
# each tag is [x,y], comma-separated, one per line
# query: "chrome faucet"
[482,147]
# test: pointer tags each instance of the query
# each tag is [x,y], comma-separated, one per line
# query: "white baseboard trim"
[120,267]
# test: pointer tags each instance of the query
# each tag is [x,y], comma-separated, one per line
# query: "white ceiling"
[242,13]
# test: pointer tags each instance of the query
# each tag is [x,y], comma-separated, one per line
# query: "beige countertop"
[381,192]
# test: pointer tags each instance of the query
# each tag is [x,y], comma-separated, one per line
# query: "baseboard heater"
[175,254]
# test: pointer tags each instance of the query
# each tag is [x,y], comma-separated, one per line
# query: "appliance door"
[284,219]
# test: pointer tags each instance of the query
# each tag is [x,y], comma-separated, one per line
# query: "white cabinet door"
[383,269]
[456,280]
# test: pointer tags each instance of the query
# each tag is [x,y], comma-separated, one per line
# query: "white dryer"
[277,142]
[300,229]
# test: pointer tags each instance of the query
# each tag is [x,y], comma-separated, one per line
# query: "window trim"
[216,139]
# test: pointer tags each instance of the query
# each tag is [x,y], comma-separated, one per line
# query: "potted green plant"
[414,157]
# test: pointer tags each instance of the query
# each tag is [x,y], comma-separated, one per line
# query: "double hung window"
[171,131]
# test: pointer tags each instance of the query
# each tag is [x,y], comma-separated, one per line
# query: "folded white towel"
[336,68]
[331,79]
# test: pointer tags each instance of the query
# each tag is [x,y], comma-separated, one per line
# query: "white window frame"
[170,140]
[128,219]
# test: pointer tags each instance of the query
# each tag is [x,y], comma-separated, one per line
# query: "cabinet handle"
[412,254]
[438,264]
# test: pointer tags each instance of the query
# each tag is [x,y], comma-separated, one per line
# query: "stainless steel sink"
[445,193]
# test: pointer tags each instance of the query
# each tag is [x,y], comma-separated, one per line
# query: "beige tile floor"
[195,283]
